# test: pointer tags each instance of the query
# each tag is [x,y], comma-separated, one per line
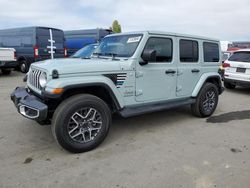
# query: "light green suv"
[129,74]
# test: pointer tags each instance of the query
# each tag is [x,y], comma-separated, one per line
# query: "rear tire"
[229,85]
[23,66]
[206,101]
[81,123]
[6,71]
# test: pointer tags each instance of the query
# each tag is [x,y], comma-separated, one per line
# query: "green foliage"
[116,27]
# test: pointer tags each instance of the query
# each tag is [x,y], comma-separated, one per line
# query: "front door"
[157,80]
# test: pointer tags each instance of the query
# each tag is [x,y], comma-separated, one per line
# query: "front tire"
[81,123]
[206,101]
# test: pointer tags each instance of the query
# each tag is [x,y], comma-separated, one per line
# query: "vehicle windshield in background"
[86,51]
[119,46]
[240,57]
[225,56]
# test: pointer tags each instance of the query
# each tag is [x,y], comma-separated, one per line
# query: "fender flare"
[117,103]
[203,79]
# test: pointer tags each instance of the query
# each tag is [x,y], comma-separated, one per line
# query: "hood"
[76,65]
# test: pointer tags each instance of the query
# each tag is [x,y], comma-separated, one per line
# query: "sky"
[222,19]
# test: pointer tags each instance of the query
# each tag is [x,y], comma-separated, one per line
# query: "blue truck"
[34,44]
[77,39]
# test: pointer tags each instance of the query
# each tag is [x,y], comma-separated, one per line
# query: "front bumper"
[29,105]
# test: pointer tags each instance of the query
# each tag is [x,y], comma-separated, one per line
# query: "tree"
[116,27]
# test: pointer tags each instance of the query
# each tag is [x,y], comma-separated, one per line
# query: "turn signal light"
[57,91]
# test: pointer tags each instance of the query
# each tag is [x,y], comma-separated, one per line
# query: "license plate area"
[241,70]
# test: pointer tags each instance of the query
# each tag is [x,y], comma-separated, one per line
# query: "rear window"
[43,36]
[189,51]
[211,52]
[240,56]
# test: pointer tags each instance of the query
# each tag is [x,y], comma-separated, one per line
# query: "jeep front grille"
[33,78]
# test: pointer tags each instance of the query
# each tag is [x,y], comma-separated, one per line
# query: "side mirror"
[148,55]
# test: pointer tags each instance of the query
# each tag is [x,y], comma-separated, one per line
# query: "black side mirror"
[148,55]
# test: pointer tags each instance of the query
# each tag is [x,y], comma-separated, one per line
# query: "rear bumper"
[238,82]
[8,64]
[29,105]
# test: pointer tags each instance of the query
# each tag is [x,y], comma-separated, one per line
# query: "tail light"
[15,57]
[65,52]
[36,52]
[225,65]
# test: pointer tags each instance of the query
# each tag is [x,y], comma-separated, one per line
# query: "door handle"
[170,71]
[195,70]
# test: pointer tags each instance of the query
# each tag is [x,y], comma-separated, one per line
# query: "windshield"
[86,51]
[240,57]
[119,46]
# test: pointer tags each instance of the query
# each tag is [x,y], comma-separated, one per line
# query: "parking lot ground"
[164,149]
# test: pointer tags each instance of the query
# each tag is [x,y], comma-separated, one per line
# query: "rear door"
[189,66]
[50,43]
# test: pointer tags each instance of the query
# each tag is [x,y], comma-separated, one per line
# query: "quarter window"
[163,48]
[189,51]
[211,52]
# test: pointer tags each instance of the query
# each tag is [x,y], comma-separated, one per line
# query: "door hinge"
[138,74]
[178,88]
[138,92]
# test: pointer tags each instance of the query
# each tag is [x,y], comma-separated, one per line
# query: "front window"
[119,46]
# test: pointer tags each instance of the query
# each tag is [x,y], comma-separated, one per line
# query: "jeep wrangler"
[128,74]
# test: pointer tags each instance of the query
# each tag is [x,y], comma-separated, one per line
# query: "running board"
[154,107]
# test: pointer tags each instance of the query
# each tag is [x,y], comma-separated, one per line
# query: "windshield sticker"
[134,39]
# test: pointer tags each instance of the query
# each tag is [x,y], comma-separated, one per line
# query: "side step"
[154,107]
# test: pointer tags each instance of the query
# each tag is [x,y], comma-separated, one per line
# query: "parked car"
[129,74]
[237,69]
[7,60]
[34,44]
[86,51]
[77,39]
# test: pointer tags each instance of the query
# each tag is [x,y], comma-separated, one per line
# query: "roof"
[168,34]
[31,27]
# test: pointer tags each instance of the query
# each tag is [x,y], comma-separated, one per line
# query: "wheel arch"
[21,58]
[210,78]
[101,90]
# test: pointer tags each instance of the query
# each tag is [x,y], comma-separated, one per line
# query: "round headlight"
[43,79]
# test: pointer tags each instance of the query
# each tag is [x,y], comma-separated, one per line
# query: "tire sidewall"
[25,69]
[207,87]
[61,125]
